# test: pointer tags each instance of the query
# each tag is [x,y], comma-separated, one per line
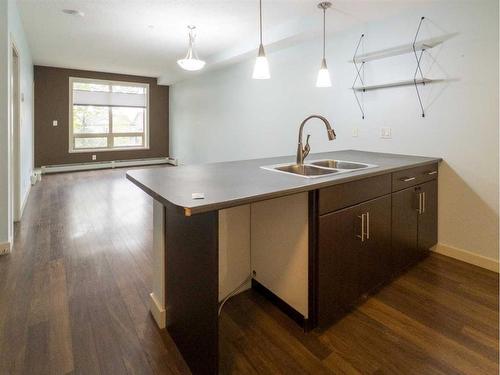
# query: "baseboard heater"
[105,165]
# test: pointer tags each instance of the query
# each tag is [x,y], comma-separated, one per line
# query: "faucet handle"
[307,148]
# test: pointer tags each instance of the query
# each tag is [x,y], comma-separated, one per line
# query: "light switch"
[355,132]
[386,133]
[94,157]
[54,123]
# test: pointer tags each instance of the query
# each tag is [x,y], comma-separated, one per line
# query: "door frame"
[15,131]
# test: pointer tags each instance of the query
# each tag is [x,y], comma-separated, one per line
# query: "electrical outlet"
[54,123]
[94,157]
[385,133]
[355,132]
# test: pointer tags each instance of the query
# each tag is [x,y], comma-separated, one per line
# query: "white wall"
[225,115]
[11,31]
[27,113]
[4,153]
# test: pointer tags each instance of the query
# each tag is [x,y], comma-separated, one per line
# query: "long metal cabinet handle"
[423,202]
[431,173]
[362,236]
[367,225]
[407,179]
[419,210]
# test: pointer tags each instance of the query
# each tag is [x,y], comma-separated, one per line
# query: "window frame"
[109,135]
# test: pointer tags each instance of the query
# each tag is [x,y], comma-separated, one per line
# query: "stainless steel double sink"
[319,168]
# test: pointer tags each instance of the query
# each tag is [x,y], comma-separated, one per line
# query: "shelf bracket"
[359,76]
[418,58]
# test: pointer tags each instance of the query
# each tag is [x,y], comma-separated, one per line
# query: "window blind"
[109,99]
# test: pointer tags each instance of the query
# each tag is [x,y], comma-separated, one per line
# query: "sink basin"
[305,170]
[339,164]
[319,168]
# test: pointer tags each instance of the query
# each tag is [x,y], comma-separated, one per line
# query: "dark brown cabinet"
[414,224]
[427,220]
[337,264]
[405,228]
[368,231]
[375,250]
[354,255]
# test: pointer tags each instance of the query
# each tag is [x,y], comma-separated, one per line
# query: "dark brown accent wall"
[52,103]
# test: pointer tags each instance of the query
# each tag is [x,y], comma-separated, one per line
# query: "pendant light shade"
[191,62]
[323,79]
[323,76]
[261,68]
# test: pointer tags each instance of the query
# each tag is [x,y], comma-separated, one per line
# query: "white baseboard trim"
[158,312]
[5,248]
[467,256]
[104,165]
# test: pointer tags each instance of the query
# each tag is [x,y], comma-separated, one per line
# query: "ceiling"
[146,37]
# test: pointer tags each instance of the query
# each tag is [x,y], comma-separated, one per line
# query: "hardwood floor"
[74,300]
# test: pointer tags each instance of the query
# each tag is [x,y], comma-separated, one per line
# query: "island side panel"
[192,287]
[280,249]
[157,297]
[313,197]
[234,250]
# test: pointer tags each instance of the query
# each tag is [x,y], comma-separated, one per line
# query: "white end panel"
[279,248]
[234,249]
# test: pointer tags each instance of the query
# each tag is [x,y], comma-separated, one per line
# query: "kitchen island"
[314,246]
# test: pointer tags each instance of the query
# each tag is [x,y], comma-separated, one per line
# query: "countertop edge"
[189,211]
[152,193]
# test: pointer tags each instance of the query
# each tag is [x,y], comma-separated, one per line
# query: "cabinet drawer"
[414,176]
[344,195]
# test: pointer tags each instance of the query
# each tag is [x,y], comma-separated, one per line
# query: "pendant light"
[261,68]
[191,62]
[323,74]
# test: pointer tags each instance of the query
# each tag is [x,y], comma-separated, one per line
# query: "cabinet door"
[337,264]
[427,220]
[375,264]
[405,228]
[354,255]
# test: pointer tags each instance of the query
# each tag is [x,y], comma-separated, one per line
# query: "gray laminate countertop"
[230,184]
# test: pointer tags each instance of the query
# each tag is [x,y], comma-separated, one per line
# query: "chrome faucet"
[303,151]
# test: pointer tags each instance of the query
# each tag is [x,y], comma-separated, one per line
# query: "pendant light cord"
[191,36]
[260,20]
[324,31]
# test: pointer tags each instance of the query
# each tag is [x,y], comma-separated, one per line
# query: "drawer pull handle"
[431,173]
[407,179]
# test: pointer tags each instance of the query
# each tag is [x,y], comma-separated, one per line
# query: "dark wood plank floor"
[74,300]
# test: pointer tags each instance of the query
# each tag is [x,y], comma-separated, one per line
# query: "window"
[108,115]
